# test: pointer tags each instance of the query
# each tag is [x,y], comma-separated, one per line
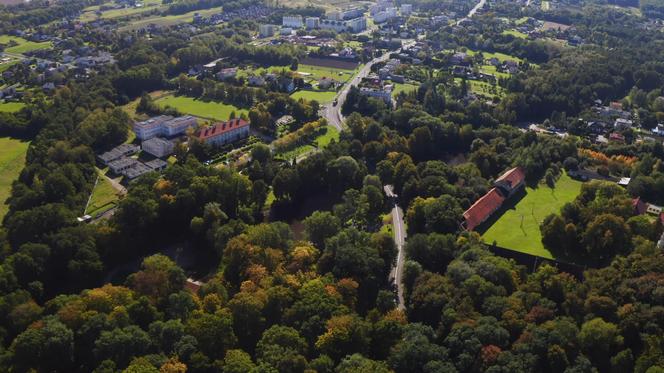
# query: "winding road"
[332,112]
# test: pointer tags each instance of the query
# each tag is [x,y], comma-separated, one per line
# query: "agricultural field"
[527,215]
[204,109]
[322,97]
[22,45]
[104,197]
[90,13]
[11,107]
[12,160]
[168,20]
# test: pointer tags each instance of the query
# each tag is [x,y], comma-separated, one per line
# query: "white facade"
[406,9]
[312,22]
[292,21]
[158,147]
[266,31]
[384,94]
[354,25]
[163,125]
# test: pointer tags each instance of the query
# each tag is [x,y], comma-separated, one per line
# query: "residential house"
[223,133]
[256,81]
[227,73]
[327,83]
[621,124]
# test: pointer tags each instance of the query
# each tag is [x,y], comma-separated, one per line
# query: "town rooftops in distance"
[222,127]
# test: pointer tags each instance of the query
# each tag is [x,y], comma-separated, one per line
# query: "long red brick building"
[505,187]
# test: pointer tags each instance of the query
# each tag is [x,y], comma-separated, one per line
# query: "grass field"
[23,45]
[12,160]
[518,228]
[89,13]
[500,56]
[490,69]
[320,141]
[104,197]
[330,134]
[169,20]
[482,88]
[320,96]
[11,107]
[406,87]
[6,65]
[204,109]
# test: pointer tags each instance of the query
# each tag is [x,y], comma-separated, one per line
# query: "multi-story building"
[224,133]
[353,25]
[312,22]
[164,125]
[292,21]
[266,31]
[158,147]
[406,9]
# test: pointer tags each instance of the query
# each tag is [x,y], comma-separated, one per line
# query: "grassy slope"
[509,232]
[103,197]
[12,160]
[204,109]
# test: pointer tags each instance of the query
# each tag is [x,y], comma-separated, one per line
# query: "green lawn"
[199,108]
[89,13]
[6,65]
[104,197]
[500,56]
[482,88]
[521,20]
[406,87]
[318,72]
[490,69]
[330,134]
[515,33]
[12,160]
[518,227]
[23,45]
[320,96]
[11,107]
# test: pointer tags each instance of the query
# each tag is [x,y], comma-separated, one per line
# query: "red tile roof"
[513,177]
[482,209]
[221,128]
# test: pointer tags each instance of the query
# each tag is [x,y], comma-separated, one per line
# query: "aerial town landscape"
[332,186]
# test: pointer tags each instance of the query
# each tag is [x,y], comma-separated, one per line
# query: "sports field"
[199,108]
[518,228]
[12,160]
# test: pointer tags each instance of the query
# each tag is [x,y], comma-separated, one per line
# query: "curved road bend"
[472,12]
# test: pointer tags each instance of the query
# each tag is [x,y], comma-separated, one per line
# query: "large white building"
[292,21]
[164,125]
[312,22]
[266,31]
[406,9]
[224,133]
[158,147]
[353,25]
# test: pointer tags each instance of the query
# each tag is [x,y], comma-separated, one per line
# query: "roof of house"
[483,208]
[639,206]
[513,176]
[221,128]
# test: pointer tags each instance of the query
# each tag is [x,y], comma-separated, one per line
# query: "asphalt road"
[472,12]
[398,226]
[332,112]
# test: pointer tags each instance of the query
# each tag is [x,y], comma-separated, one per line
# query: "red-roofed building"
[511,181]
[482,209]
[639,206]
[223,133]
